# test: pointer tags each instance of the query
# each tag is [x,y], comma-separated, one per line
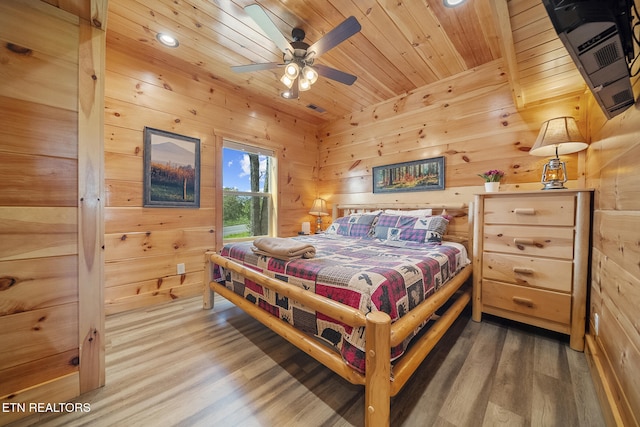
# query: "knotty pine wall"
[51,305]
[612,169]
[470,119]
[143,245]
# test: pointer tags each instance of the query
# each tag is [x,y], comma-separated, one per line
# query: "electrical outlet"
[596,323]
[180,268]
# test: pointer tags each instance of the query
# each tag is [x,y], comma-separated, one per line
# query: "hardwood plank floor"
[179,365]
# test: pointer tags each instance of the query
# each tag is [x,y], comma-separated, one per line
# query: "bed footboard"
[380,333]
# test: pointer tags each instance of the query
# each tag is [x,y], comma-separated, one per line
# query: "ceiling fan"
[300,72]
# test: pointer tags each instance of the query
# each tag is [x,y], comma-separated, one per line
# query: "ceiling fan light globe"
[303,84]
[310,74]
[292,70]
[287,81]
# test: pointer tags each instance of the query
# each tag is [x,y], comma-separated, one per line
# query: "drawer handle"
[518,241]
[523,270]
[523,301]
[524,211]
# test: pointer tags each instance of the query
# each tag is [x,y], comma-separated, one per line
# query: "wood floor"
[179,365]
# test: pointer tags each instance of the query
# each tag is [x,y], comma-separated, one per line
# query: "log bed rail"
[381,334]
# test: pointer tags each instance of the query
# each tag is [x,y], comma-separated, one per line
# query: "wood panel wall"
[612,169]
[470,119]
[51,318]
[144,245]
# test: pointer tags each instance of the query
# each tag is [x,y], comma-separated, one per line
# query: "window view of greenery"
[246,193]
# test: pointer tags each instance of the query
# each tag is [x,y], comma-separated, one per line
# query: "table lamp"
[319,209]
[557,136]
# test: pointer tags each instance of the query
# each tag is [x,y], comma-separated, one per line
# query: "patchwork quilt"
[367,274]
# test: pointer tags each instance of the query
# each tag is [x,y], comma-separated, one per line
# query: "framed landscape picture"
[171,169]
[418,175]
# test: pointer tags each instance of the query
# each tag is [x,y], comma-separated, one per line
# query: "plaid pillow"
[426,229]
[355,225]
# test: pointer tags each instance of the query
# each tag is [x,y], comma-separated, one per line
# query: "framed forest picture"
[171,169]
[417,175]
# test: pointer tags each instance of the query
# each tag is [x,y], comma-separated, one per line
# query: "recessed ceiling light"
[453,3]
[167,40]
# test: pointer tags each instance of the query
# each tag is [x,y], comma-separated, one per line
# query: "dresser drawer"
[543,210]
[528,271]
[548,305]
[551,242]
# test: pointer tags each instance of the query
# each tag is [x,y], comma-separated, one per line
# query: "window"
[248,179]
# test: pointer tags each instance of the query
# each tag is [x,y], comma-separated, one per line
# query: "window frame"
[271,195]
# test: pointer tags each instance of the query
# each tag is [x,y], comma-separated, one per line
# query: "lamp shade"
[558,136]
[319,208]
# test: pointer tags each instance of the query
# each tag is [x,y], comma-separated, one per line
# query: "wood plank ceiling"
[403,45]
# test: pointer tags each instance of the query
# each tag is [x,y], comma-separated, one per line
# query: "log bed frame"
[381,334]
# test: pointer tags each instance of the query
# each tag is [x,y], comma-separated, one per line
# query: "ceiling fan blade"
[255,67]
[333,74]
[261,18]
[346,29]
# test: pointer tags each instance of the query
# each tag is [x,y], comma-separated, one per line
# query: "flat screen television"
[598,35]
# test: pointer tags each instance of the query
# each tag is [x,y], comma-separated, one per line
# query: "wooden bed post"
[377,391]
[476,254]
[207,292]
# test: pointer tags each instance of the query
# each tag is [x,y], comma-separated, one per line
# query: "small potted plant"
[492,180]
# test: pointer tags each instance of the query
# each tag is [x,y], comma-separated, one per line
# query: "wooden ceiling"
[403,45]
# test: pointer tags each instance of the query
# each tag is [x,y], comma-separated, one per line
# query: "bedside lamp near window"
[319,209]
[557,136]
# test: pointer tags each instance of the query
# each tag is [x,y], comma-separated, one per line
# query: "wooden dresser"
[531,257]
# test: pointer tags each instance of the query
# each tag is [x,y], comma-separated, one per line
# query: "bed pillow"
[425,229]
[355,225]
[413,212]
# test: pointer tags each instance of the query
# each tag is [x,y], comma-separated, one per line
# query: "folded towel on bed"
[282,248]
